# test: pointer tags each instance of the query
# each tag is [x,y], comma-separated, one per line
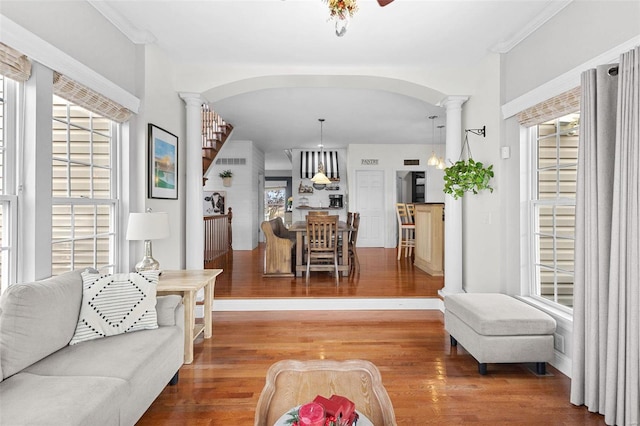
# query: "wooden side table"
[187,283]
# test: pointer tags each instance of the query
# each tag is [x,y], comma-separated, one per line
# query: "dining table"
[300,228]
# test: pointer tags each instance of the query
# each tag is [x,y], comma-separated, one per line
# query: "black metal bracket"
[480,132]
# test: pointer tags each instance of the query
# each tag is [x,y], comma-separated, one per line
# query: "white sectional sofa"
[106,381]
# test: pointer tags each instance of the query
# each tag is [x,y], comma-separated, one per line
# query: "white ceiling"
[296,34]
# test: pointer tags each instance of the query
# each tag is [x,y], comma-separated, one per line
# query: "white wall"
[244,195]
[390,160]
[162,107]
[482,221]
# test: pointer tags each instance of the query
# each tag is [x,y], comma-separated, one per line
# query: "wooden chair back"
[411,210]
[353,235]
[322,233]
[402,213]
[291,383]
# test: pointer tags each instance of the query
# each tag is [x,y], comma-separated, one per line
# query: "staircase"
[215,132]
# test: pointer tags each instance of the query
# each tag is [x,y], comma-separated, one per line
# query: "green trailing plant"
[226,174]
[467,175]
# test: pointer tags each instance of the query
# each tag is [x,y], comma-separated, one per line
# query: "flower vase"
[342,22]
[226,181]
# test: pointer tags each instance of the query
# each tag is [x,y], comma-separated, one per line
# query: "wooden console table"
[187,283]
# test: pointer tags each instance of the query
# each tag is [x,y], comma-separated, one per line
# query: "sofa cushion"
[116,304]
[37,319]
[146,359]
[493,314]
[28,399]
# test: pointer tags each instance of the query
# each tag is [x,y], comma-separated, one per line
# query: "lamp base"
[148,263]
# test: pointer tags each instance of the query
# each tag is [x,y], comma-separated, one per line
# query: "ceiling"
[296,35]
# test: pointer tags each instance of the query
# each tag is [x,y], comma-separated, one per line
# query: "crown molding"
[50,56]
[132,32]
[566,81]
[551,10]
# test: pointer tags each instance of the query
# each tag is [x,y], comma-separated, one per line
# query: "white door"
[370,205]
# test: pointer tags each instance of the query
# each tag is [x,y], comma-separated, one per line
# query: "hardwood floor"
[381,275]
[428,381]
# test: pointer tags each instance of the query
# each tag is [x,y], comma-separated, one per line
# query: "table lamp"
[148,226]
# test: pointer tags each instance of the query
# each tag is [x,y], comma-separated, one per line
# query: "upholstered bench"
[496,328]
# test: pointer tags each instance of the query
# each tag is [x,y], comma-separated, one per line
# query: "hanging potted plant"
[226,176]
[467,175]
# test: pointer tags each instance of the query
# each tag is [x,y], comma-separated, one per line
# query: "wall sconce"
[146,227]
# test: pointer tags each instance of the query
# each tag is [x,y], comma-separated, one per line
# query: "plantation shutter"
[81,95]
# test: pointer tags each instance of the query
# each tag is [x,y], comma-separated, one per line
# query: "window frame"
[8,195]
[113,234]
[533,203]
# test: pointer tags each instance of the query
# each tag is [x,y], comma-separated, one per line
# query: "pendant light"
[441,165]
[433,160]
[320,178]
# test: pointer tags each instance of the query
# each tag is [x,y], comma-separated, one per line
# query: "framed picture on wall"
[163,163]
[213,202]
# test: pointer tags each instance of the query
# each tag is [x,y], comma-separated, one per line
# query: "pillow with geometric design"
[116,304]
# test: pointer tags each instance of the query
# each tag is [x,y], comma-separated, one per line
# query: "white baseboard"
[328,304]
[563,363]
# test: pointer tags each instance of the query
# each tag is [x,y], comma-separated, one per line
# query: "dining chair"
[411,210]
[406,230]
[318,213]
[322,244]
[354,262]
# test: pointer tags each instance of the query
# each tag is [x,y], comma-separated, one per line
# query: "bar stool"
[406,230]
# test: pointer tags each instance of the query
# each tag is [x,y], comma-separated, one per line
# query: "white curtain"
[606,313]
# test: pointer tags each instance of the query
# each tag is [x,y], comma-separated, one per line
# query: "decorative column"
[453,208]
[194,232]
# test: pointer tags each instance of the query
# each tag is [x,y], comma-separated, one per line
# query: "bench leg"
[541,368]
[482,368]
[454,342]
[174,379]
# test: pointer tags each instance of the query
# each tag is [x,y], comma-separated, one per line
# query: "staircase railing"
[215,132]
[217,239]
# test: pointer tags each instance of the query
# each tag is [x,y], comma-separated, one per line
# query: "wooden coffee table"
[187,283]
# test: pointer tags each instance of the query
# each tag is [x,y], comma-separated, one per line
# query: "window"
[552,208]
[84,189]
[8,199]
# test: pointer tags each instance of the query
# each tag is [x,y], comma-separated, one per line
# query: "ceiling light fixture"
[320,178]
[433,160]
[441,165]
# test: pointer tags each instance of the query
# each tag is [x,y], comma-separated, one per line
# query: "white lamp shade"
[321,179]
[433,160]
[148,226]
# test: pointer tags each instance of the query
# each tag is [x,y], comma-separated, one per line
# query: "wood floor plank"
[428,381]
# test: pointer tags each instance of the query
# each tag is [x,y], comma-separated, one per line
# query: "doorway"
[411,186]
[370,203]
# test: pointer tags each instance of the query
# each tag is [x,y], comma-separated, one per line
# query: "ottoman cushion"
[493,314]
